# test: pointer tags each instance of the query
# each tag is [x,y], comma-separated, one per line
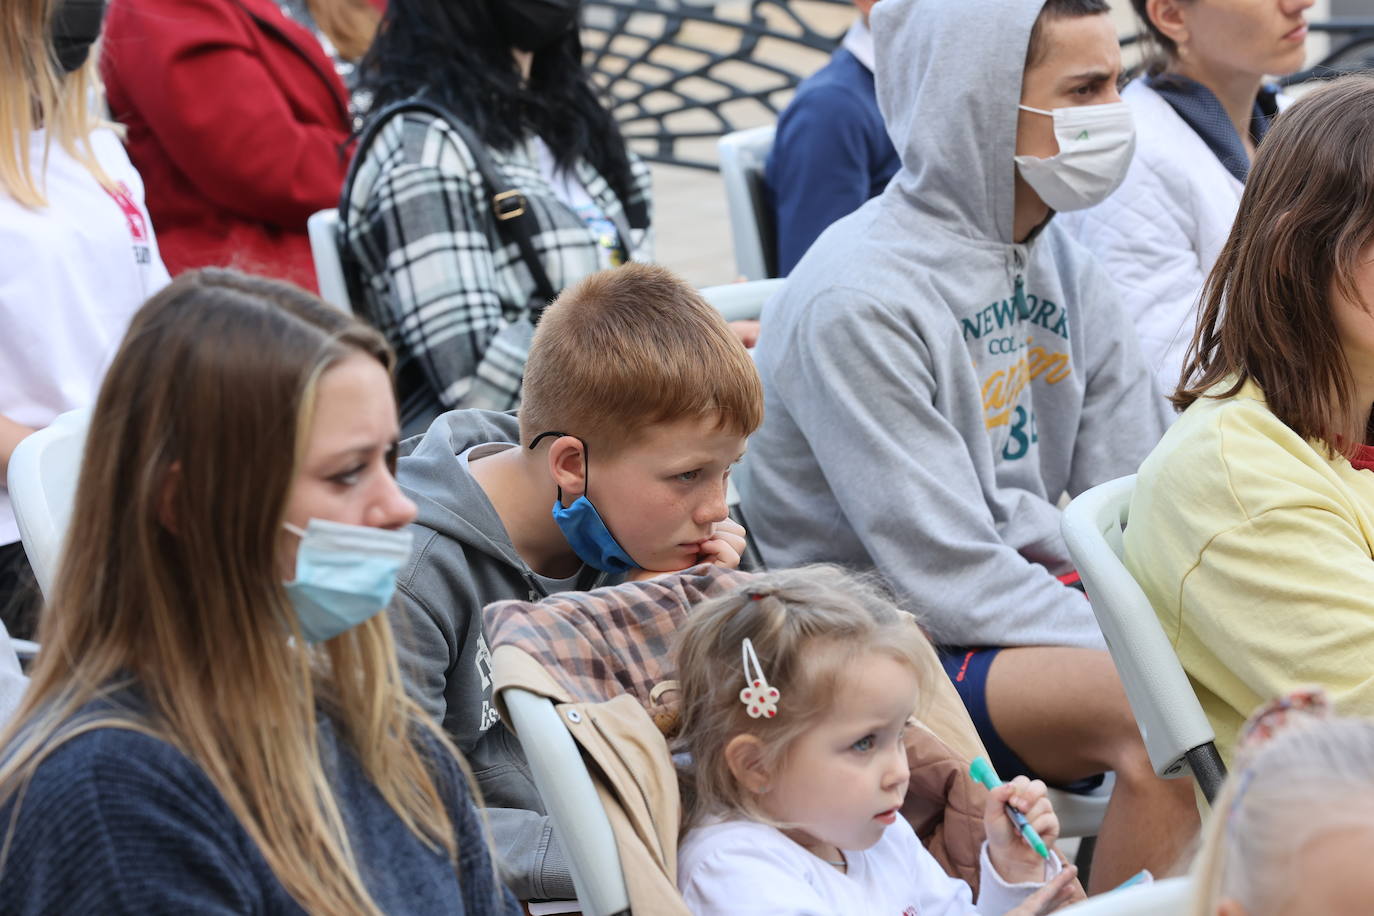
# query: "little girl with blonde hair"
[1292,832]
[796,692]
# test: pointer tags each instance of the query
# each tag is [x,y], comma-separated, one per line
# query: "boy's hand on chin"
[723,548]
[726,545]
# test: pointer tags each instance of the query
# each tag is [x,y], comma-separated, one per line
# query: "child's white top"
[72,274]
[744,868]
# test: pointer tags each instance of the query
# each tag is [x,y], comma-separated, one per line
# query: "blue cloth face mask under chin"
[581,524]
[345,575]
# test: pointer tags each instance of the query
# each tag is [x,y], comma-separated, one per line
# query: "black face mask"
[533,25]
[75,27]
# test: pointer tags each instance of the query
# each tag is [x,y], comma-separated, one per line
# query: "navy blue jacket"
[117,822]
[831,154]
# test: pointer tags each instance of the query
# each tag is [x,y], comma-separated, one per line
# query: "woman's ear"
[568,465]
[1167,16]
[744,757]
[167,498]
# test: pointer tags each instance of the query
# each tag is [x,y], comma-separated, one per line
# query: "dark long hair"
[1305,220]
[453,52]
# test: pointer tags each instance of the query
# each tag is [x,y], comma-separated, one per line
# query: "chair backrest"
[741,301]
[42,482]
[1167,896]
[743,155]
[1167,710]
[323,228]
[568,792]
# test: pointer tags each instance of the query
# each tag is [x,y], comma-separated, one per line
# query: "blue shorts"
[968,669]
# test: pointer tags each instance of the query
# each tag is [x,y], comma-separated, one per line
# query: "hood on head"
[948,81]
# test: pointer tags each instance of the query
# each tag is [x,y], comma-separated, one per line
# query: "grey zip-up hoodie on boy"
[931,388]
[463,560]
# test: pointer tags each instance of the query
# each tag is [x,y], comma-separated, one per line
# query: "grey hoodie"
[463,560]
[920,417]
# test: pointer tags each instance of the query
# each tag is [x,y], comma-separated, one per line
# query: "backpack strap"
[515,219]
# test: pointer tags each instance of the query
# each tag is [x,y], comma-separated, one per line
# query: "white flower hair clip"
[760,699]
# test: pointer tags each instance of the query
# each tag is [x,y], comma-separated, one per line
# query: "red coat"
[238,124]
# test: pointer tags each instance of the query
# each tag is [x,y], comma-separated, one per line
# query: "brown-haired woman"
[1252,525]
[216,722]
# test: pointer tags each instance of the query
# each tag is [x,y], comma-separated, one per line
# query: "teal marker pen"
[982,771]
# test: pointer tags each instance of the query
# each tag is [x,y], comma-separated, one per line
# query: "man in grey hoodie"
[631,365]
[946,362]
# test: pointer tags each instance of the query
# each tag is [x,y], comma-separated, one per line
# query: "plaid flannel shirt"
[613,640]
[436,277]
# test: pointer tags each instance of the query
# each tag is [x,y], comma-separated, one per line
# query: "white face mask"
[1095,147]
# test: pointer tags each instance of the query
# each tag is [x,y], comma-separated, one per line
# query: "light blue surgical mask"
[581,524]
[345,575]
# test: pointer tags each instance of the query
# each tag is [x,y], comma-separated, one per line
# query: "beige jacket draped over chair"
[607,654]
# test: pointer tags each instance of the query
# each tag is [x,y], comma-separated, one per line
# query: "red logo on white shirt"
[138,225]
[909,911]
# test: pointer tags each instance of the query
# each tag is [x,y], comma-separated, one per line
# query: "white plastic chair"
[42,482]
[566,787]
[1177,735]
[323,228]
[741,301]
[1080,815]
[743,155]
[1168,896]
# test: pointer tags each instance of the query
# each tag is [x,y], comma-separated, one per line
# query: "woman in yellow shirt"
[1252,525]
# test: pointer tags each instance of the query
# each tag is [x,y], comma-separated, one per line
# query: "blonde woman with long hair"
[216,722]
[77,253]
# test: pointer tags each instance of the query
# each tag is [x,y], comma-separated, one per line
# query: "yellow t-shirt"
[1257,551]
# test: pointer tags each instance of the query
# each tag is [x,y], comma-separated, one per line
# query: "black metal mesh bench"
[680,74]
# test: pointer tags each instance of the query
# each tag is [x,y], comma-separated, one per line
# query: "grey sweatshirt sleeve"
[1124,412]
[532,861]
[427,647]
[907,482]
[440,664]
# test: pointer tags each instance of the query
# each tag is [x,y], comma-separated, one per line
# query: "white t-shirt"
[744,868]
[573,194]
[72,274]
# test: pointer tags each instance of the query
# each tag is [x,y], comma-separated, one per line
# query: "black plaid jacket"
[437,279]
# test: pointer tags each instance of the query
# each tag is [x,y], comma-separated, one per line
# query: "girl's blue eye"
[688,476]
[864,744]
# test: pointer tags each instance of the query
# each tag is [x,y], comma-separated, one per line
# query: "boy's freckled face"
[662,494]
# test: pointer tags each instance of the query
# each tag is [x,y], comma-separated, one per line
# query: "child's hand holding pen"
[1021,825]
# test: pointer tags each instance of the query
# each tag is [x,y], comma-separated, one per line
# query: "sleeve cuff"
[996,895]
[555,874]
